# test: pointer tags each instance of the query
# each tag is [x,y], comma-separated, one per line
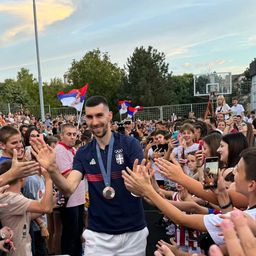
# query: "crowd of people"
[78,189]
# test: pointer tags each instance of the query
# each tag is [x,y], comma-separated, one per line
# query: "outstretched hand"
[44,154]
[22,169]
[138,180]
[171,170]
[238,236]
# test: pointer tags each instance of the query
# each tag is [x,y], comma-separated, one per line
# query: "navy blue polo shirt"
[123,213]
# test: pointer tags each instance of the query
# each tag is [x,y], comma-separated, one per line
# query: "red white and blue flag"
[132,111]
[123,106]
[75,98]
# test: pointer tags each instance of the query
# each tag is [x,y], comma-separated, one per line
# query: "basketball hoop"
[220,82]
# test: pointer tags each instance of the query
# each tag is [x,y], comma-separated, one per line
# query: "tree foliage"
[180,89]
[146,78]
[103,76]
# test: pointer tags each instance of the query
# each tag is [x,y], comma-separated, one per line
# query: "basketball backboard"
[219,83]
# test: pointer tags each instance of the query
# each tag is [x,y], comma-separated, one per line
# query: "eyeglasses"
[128,123]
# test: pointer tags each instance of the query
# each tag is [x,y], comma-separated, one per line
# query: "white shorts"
[126,244]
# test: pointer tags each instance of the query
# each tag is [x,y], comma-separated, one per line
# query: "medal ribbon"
[106,174]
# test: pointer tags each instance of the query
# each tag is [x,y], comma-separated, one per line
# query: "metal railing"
[148,113]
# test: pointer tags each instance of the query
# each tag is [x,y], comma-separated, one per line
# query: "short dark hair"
[249,156]
[6,132]
[96,100]
[51,139]
[64,126]
[160,132]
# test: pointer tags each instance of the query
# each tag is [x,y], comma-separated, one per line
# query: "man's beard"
[104,132]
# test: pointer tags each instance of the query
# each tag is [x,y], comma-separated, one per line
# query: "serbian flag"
[123,106]
[75,98]
[132,111]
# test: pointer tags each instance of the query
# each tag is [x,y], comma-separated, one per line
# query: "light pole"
[41,95]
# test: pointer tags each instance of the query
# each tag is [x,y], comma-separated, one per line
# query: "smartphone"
[28,154]
[162,147]
[175,135]
[211,172]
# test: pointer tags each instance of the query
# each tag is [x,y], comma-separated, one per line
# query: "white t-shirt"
[223,109]
[178,152]
[64,161]
[211,220]
[238,109]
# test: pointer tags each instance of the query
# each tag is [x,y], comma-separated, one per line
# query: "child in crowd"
[187,145]
[20,210]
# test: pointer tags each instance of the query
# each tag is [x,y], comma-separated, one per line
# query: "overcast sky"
[197,36]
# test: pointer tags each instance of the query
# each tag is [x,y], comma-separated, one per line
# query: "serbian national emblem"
[119,158]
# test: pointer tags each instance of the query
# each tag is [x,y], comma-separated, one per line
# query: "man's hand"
[44,154]
[138,180]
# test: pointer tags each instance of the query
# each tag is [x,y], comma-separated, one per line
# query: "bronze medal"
[108,192]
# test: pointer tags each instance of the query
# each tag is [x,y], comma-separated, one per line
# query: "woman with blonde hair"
[222,107]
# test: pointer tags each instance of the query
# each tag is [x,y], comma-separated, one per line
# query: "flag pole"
[80,115]
[79,119]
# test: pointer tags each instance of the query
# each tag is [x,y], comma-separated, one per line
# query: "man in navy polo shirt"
[116,218]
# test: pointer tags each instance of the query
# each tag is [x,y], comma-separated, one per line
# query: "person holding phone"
[245,177]
[34,188]
[158,150]
[186,145]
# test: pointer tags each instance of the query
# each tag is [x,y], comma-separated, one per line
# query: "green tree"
[103,76]
[180,89]
[146,79]
[28,85]
[13,93]
[51,90]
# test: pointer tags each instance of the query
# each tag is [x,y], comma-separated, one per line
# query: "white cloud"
[48,12]
[186,65]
